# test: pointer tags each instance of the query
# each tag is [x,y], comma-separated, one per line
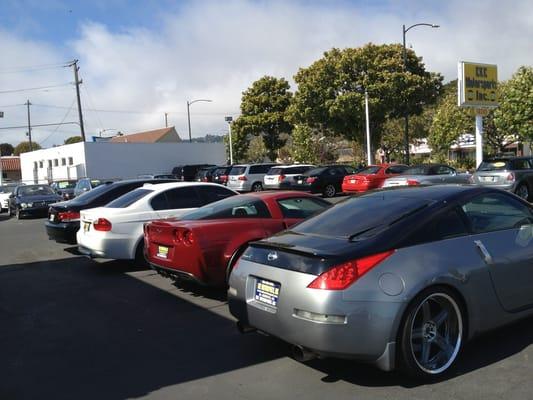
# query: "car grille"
[42,203]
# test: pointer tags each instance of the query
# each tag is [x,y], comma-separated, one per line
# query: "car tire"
[523,191]
[329,191]
[140,260]
[18,214]
[257,187]
[432,334]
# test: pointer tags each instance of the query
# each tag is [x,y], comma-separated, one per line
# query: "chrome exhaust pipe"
[244,328]
[302,354]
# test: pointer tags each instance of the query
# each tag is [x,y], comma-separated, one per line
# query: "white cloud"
[215,50]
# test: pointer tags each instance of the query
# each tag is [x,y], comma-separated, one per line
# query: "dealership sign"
[477,85]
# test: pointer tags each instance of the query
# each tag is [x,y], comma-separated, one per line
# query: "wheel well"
[236,254]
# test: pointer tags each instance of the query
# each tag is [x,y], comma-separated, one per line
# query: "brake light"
[68,216]
[511,177]
[242,178]
[223,178]
[281,177]
[204,179]
[412,182]
[311,179]
[183,235]
[102,224]
[343,275]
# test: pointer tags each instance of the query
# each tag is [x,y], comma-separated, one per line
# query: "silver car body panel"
[402,180]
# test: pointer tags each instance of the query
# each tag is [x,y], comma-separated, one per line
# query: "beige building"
[164,135]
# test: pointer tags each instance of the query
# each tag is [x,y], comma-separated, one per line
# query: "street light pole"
[189,104]
[367,115]
[229,120]
[406,131]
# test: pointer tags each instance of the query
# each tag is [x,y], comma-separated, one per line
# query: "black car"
[32,200]
[206,174]
[87,184]
[326,179]
[220,175]
[64,218]
[64,188]
[187,173]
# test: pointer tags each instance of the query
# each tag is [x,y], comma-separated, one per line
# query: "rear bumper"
[510,187]
[62,232]
[271,186]
[240,186]
[175,273]
[118,248]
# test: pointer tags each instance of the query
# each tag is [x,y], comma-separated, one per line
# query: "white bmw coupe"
[116,230]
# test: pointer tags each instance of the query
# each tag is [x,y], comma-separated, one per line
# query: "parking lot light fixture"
[189,103]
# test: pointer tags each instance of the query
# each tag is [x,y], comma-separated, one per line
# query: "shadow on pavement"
[76,329]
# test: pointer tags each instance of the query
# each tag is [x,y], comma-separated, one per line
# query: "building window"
[49,163]
[63,161]
[56,163]
[35,165]
[70,161]
[41,164]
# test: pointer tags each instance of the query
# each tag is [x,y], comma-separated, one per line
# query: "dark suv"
[514,174]
[187,173]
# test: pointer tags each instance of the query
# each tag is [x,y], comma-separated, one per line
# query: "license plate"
[352,180]
[51,217]
[162,252]
[86,226]
[267,292]
[487,178]
[300,182]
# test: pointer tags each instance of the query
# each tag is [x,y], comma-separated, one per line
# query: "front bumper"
[367,332]
[33,211]
[63,232]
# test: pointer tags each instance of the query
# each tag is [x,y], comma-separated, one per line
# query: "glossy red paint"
[361,182]
[206,257]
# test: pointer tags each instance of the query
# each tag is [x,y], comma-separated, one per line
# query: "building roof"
[145,137]
[11,163]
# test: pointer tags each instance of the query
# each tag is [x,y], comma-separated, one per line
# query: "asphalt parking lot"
[72,328]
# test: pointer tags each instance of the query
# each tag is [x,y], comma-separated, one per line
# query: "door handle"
[484,252]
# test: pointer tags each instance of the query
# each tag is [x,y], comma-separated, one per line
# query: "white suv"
[248,177]
[281,176]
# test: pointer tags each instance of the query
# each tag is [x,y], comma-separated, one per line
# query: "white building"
[106,160]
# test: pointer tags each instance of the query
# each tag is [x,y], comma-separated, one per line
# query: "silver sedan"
[428,174]
[400,278]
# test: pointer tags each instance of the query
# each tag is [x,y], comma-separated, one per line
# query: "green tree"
[6,149]
[514,116]
[73,139]
[257,151]
[263,113]
[450,121]
[330,95]
[306,147]
[24,147]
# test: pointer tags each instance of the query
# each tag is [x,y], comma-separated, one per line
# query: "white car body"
[126,233]
[284,175]
[4,197]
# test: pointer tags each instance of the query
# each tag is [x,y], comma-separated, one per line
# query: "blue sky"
[140,59]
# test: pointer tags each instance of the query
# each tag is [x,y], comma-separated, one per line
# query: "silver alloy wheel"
[522,191]
[329,191]
[257,187]
[436,333]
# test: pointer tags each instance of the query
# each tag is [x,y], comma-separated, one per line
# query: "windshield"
[315,171]
[129,198]
[66,184]
[416,170]
[35,190]
[357,215]
[237,170]
[235,206]
[494,165]
[373,169]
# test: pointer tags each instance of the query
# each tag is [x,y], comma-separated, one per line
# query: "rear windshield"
[416,170]
[89,196]
[360,216]
[231,207]
[129,198]
[37,190]
[494,165]
[220,171]
[374,169]
[275,171]
[315,171]
[238,170]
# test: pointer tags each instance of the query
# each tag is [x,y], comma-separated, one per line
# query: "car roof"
[292,165]
[170,185]
[274,194]
[434,192]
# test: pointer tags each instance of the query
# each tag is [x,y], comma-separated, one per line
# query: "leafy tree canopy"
[73,139]
[6,149]
[24,147]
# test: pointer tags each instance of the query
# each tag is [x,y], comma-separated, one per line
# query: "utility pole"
[77,82]
[28,104]
[166,120]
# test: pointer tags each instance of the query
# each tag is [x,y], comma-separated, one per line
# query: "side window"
[495,212]
[521,164]
[395,169]
[255,209]
[350,170]
[300,207]
[159,202]
[446,225]
[185,197]
[444,170]
[210,194]
[254,169]
[333,171]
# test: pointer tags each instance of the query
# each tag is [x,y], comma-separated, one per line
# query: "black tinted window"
[396,169]
[159,202]
[276,171]
[259,169]
[234,207]
[520,164]
[237,170]
[358,215]
[210,194]
[301,207]
[494,212]
[185,197]
[446,225]
[128,199]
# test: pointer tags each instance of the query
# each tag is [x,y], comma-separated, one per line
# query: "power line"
[33,88]
[32,68]
[141,112]
[37,125]
[63,120]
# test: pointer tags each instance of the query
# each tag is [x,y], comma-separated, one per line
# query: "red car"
[372,177]
[204,244]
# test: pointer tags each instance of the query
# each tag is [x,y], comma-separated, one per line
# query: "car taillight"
[223,178]
[281,177]
[242,178]
[68,216]
[204,179]
[102,224]
[184,236]
[412,182]
[311,179]
[146,229]
[511,177]
[343,275]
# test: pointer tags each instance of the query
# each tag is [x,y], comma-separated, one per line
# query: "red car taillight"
[102,224]
[183,235]
[281,177]
[68,216]
[223,178]
[311,179]
[242,178]
[343,275]
[412,182]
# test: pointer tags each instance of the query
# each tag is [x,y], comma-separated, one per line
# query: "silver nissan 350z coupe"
[398,278]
